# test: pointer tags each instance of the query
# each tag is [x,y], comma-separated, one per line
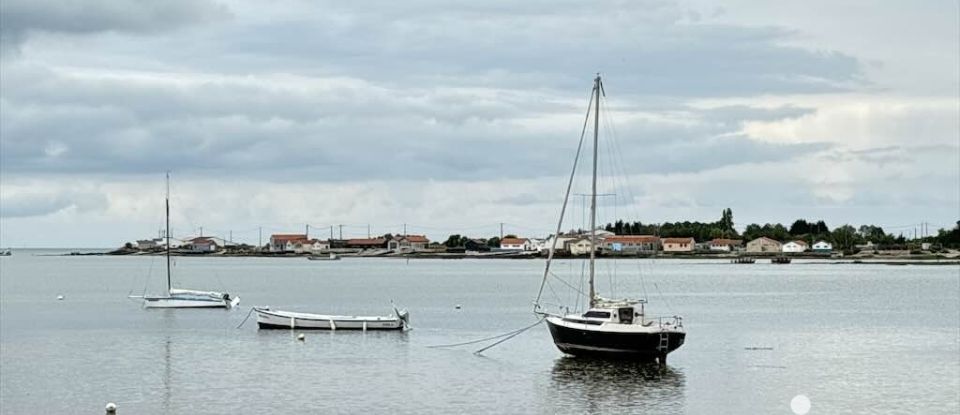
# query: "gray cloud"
[39,202]
[20,17]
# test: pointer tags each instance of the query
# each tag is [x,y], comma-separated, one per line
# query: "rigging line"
[512,332]
[554,292]
[665,302]
[510,337]
[566,198]
[558,278]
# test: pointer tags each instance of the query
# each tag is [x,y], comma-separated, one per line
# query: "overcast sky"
[453,118]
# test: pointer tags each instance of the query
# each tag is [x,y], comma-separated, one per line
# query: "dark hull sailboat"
[580,339]
[618,329]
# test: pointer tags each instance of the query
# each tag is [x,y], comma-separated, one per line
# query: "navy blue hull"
[633,346]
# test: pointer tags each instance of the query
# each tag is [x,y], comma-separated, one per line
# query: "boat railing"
[665,321]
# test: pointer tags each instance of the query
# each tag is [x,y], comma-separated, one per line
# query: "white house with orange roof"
[517,244]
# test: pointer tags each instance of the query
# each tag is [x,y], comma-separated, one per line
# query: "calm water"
[853,338]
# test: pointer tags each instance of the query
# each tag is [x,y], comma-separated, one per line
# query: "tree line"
[844,237]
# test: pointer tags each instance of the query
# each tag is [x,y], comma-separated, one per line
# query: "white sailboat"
[609,328]
[184,298]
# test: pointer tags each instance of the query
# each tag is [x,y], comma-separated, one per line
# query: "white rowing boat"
[277,319]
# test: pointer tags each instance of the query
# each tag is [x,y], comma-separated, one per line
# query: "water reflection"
[600,386]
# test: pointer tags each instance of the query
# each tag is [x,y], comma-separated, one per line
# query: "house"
[320,245]
[284,242]
[366,243]
[630,244]
[579,246]
[516,244]
[823,246]
[763,244]
[562,242]
[148,244]
[537,244]
[725,245]
[408,242]
[309,246]
[202,244]
[794,247]
[678,244]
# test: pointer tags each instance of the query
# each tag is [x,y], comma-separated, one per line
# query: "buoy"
[111,408]
[59,297]
[457,306]
[301,337]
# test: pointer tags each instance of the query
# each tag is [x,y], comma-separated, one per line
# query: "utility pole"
[501,231]
[341,232]
[201,231]
[404,229]
[331,232]
[368,231]
[259,238]
[307,233]
[231,237]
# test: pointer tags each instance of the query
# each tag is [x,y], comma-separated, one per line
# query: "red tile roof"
[288,237]
[414,238]
[678,240]
[630,239]
[513,241]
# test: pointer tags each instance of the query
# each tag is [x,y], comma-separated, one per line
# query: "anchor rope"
[510,334]
[247,317]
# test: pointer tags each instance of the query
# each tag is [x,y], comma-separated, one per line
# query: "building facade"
[630,244]
[794,247]
[763,244]
[678,244]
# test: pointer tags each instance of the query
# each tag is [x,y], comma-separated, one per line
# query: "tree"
[494,242]
[454,241]
[845,237]
[508,236]
[726,222]
[800,227]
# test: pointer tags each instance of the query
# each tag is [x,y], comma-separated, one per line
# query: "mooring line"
[245,318]
[508,335]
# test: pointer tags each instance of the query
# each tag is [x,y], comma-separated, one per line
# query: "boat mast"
[169,287]
[593,193]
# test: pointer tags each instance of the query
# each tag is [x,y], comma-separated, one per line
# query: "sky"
[454,117]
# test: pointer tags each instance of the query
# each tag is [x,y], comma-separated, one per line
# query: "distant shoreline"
[762,258]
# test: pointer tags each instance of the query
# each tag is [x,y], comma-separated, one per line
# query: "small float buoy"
[457,306]
[111,408]
[59,297]
[301,337]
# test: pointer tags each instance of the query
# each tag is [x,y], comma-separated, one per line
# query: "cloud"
[26,201]
[22,17]
[339,128]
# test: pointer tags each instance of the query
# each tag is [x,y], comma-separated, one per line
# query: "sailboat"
[184,298]
[610,328]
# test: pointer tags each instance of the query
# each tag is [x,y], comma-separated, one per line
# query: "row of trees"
[844,237]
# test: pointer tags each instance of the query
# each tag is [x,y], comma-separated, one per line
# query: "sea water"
[851,338]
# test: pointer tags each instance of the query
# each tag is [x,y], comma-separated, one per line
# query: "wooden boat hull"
[276,319]
[594,341]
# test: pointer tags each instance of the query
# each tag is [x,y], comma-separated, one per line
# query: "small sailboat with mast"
[609,328]
[179,297]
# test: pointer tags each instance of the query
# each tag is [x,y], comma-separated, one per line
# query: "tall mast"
[169,287]
[593,193]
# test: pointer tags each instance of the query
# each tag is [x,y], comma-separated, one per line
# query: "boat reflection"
[602,386]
